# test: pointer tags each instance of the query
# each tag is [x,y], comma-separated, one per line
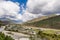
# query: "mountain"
[6,21]
[45,22]
[9,21]
[40,18]
[3,23]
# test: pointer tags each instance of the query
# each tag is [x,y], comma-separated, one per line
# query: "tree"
[3,37]
[8,38]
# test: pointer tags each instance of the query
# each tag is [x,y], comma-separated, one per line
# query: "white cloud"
[45,7]
[29,16]
[9,8]
[34,9]
[37,8]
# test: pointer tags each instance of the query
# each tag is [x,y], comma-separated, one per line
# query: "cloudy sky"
[23,10]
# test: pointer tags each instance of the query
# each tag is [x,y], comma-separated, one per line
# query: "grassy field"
[48,34]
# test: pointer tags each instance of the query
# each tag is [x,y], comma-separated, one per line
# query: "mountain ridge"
[50,22]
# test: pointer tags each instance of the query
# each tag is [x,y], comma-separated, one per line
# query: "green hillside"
[51,22]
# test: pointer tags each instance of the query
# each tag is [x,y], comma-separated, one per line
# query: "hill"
[5,22]
[50,22]
[40,18]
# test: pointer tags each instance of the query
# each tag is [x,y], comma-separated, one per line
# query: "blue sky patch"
[21,2]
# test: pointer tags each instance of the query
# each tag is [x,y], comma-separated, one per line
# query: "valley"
[44,29]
